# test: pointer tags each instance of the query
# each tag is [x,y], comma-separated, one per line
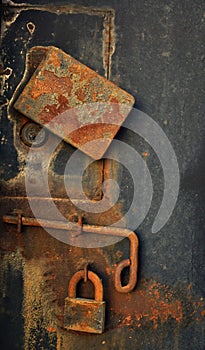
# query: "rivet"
[29,133]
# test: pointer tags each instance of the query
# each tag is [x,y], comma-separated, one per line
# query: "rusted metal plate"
[59,85]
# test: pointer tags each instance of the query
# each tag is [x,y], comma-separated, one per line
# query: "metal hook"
[132,263]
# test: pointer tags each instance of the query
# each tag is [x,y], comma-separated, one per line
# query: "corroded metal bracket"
[132,262]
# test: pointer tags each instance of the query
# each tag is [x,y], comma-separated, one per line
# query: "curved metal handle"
[132,263]
[92,277]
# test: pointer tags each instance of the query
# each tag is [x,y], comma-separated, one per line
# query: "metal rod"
[132,262]
[66,225]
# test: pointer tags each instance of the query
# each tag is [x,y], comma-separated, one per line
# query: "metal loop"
[92,277]
[132,263]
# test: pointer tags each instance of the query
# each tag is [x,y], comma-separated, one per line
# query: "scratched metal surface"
[158,58]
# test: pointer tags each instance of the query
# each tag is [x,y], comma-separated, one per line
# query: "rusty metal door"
[154,50]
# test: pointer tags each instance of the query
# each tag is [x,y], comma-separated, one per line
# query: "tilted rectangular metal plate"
[75,102]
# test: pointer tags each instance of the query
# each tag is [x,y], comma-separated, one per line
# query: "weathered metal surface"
[84,315]
[94,174]
[66,95]
[151,308]
[159,67]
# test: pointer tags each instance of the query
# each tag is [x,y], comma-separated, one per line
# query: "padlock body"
[84,315]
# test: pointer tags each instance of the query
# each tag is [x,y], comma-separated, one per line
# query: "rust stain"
[108,270]
[92,132]
[203,313]
[54,60]
[81,94]
[149,305]
[37,301]
[51,329]
[49,83]
[145,154]
[154,303]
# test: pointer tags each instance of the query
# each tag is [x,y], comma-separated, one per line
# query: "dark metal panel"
[158,58]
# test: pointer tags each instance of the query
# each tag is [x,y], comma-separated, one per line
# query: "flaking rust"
[75,103]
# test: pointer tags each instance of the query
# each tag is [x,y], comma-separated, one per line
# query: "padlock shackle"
[92,277]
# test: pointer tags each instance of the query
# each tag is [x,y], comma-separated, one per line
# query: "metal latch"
[131,262]
[80,106]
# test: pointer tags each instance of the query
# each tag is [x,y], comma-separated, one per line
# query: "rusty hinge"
[131,262]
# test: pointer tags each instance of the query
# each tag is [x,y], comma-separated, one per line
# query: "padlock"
[84,315]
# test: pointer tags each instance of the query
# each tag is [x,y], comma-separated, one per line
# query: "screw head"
[29,132]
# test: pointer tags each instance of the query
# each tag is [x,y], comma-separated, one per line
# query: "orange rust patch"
[108,270]
[80,93]
[145,154]
[51,329]
[128,320]
[54,59]
[91,132]
[189,287]
[53,109]
[153,302]
[50,84]
[203,313]
[84,74]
